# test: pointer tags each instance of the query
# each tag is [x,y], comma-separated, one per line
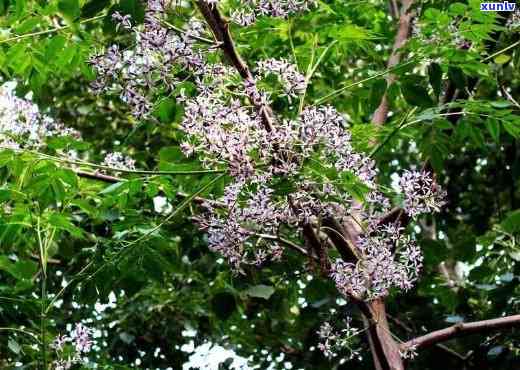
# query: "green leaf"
[416,95]
[171,154]
[348,32]
[500,103]
[21,270]
[502,59]
[54,46]
[112,188]
[260,291]
[24,269]
[14,346]
[513,128]
[5,263]
[62,222]
[457,9]
[493,127]
[69,8]
[511,223]
[435,78]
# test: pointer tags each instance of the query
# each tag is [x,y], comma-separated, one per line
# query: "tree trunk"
[385,350]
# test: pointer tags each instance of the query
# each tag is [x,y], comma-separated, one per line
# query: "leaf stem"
[501,51]
[174,213]
[340,90]
[52,30]
[114,169]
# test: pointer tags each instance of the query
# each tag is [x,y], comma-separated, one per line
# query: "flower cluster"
[310,155]
[124,21]
[22,125]
[251,9]
[229,134]
[421,193]
[159,53]
[80,339]
[429,34]
[409,352]
[292,80]
[514,21]
[388,259]
[286,174]
[118,160]
[242,233]
[457,36]
[224,132]
[333,342]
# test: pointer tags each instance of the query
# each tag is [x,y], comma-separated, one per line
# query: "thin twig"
[460,329]
[501,51]
[52,30]
[220,29]
[112,169]
[23,331]
[180,31]
[377,75]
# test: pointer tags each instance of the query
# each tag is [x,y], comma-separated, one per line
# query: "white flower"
[118,160]
[161,205]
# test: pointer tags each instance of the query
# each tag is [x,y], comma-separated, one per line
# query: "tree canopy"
[259,184]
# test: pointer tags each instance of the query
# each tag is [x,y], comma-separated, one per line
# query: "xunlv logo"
[497,7]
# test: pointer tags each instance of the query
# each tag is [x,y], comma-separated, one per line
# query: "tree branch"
[337,235]
[462,329]
[403,32]
[220,29]
[447,349]
[98,176]
[396,215]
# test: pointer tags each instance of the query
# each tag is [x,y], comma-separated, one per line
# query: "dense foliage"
[257,180]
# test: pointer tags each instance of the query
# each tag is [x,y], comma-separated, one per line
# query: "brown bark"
[220,28]
[385,350]
[462,329]
[98,176]
[403,31]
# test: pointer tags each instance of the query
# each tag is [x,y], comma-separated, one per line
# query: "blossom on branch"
[421,193]
[292,80]
[252,9]
[80,338]
[287,173]
[117,160]
[22,125]
[334,342]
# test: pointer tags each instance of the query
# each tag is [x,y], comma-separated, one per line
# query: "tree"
[178,133]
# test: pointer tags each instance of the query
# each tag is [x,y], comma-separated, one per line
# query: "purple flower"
[23,125]
[81,338]
[251,9]
[59,342]
[332,341]
[421,193]
[293,81]
[81,341]
[117,160]
[122,20]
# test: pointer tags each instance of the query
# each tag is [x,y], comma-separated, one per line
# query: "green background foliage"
[105,238]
